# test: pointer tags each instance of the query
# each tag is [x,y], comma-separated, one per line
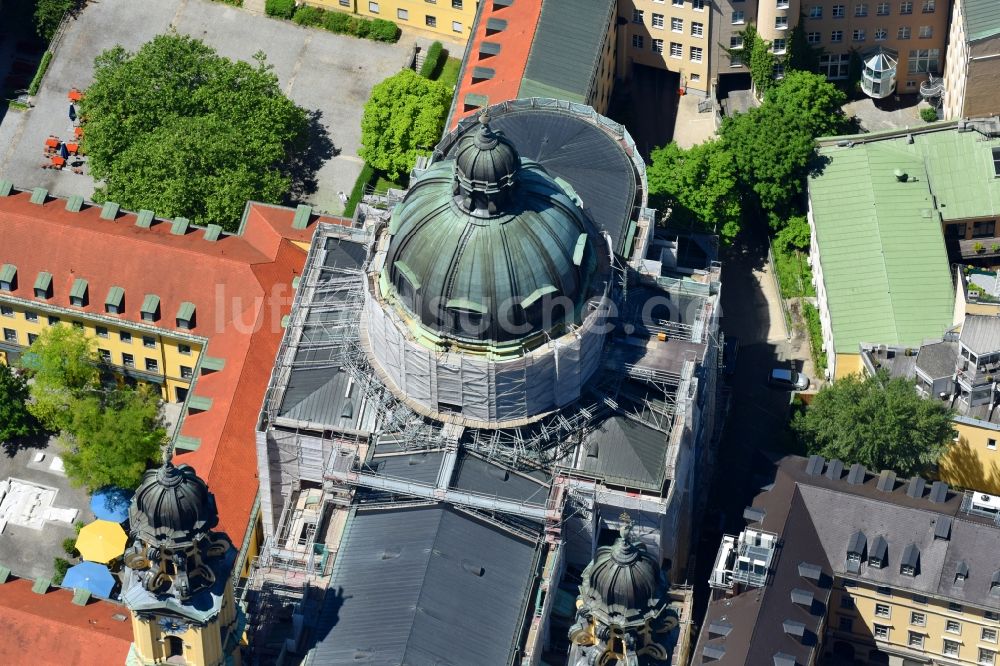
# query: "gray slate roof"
[626,453]
[981,333]
[567,46]
[425,586]
[477,475]
[938,360]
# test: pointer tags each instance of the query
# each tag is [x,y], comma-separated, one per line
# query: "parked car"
[786,379]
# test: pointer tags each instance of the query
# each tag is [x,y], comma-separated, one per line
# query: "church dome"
[488,249]
[172,504]
[625,575]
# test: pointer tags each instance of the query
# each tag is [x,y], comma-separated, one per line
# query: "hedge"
[280,8]
[811,316]
[36,82]
[364,178]
[434,55]
[307,15]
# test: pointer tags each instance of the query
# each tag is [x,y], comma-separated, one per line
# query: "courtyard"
[329,75]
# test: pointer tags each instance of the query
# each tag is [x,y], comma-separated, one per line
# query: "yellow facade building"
[449,20]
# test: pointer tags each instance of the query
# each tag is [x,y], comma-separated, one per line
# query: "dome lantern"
[485,170]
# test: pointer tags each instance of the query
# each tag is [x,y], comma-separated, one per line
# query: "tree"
[15,419]
[698,185]
[879,422]
[49,14]
[180,130]
[403,118]
[760,60]
[794,235]
[801,54]
[811,101]
[112,439]
[63,365]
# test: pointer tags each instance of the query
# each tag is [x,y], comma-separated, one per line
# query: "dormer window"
[8,277]
[856,551]
[877,553]
[961,572]
[78,293]
[911,560]
[43,285]
[150,310]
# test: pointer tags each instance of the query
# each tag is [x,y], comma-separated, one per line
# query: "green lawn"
[383,183]
[449,72]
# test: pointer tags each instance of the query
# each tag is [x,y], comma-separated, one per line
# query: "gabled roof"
[50,630]
[626,453]
[982,19]
[981,334]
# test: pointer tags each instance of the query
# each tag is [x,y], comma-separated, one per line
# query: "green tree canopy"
[63,365]
[182,131]
[801,54]
[812,102]
[15,419]
[111,439]
[48,15]
[403,118]
[879,422]
[698,185]
[760,60]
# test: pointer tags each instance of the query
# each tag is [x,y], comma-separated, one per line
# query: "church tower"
[178,583]
[621,612]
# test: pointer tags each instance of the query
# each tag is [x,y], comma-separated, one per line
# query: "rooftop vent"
[495,25]
[5,188]
[180,226]
[942,528]
[488,49]
[811,571]
[41,585]
[793,628]
[900,175]
[939,492]
[877,553]
[473,569]
[714,652]
[38,195]
[74,203]
[857,474]
[302,214]
[753,514]
[482,74]
[834,470]
[814,466]
[915,488]
[802,597]
[719,628]
[144,219]
[109,211]
[212,232]
[887,481]
[500,4]
[782,659]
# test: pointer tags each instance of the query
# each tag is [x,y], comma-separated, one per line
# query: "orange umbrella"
[101,541]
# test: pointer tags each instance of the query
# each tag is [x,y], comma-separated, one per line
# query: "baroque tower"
[178,582]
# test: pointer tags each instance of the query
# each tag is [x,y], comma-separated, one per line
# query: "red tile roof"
[50,630]
[509,64]
[240,286]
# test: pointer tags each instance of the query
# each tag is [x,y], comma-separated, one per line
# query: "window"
[988,635]
[403,14]
[983,229]
[53,321]
[880,34]
[637,42]
[696,54]
[736,42]
[735,60]
[906,7]
[184,349]
[779,70]
[918,619]
[846,602]
[882,610]
[128,360]
[456,4]
[658,21]
[101,331]
[782,4]
[456,26]
[835,67]
[696,77]
[78,325]
[838,11]
[816,11]
[903,32]
[373,7]
[848,584]
[780,22]
[152,365]
[991,615]
[698,5]
[881,632]
[430,21]
[676,50]
[836,37]
[738,17]
[987,657]
[33,316]
[345,3]
[637,16]
[678,3]
[953,627]
[658,46]
[882,9]
[861,9]
[697,29]
[105,355]
[927,7]
[6,311]
[845,624]
[990,443]
[125,337]
[922,61]
[919,599]
[677,25]
[915,640]
[10,335]
[149,342]
[858,34]
[31,338]
[813,37]
[954,608]
[186,372]
[778,45]
[926,32]
[950,648]
[884,591]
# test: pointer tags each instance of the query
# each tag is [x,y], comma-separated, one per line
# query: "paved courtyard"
[27,551]
[329,75]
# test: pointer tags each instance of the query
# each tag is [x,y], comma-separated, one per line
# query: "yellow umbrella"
[101,541]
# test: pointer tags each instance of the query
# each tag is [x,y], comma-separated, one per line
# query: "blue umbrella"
[90,576]
[63,151]
[72,113]
[111,503]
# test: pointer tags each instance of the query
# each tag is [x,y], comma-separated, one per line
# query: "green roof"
[199,403]
[212,363]
[79,288]
[567,46]
[881,250]
[982,19]
[185,443]
[960,167]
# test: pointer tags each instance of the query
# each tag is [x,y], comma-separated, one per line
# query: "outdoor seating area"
[101,544]
[65,153]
